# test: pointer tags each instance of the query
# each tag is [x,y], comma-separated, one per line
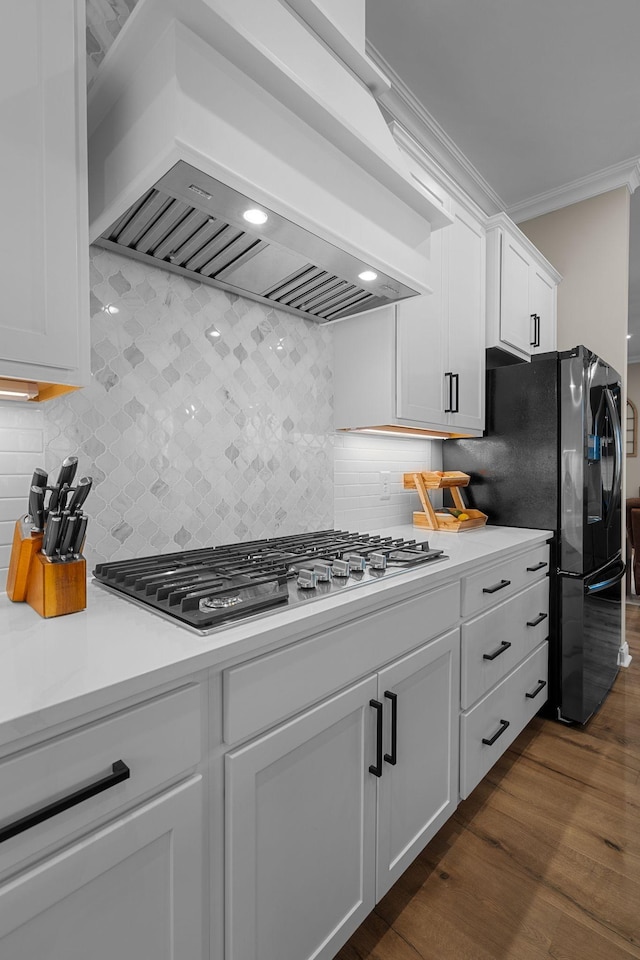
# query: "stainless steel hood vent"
[193,225]
[202,107]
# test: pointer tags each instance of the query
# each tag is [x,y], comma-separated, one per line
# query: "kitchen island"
[241,744]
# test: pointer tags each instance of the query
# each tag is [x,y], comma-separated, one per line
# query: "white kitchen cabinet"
[44,330]
[521,292]
[418,793]
[300,832]
[421,364]
[330,808]
[131,890]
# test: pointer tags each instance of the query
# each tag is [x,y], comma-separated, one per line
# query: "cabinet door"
[43,267]
[300,832]
[131,890]
[421,347]
[420,792]
[466,327]
[543,304]
[516,325]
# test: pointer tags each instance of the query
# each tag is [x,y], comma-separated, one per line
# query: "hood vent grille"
[168,231]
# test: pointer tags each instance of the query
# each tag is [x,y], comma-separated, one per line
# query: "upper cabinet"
[420,365]
[521,292]
[44,327]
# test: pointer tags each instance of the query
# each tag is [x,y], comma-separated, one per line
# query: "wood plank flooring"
[541,861]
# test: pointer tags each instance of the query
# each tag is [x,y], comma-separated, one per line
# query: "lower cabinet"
[325,811]
[132,890]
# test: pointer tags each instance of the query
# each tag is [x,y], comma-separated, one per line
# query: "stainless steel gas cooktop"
[207,589]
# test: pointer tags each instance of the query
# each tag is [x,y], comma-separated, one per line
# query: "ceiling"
[535,95]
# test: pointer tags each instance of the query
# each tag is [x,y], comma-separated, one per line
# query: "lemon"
[463,516]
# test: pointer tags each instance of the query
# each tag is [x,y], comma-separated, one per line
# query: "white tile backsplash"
[359,462]
[21,451]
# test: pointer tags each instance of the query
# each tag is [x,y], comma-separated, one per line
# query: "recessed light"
[255,216]
[367,276]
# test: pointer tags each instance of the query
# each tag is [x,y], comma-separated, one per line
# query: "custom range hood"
[239,143]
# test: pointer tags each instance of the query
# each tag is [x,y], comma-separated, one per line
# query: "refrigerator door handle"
[609,582]
[617,467]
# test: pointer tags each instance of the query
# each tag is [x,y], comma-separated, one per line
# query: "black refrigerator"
[552,458]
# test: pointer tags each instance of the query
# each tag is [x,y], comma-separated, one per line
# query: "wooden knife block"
[52,589]
[57,588]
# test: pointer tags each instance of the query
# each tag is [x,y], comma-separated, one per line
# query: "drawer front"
[495,642]
[494,584]
[262,692]
[514,701]
[157,741]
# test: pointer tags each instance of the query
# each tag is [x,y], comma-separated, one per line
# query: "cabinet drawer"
[495,642]
[508,707]
[157,741]
[265,691]
[483,590]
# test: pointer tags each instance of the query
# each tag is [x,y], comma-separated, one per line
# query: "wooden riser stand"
[451,480]
[52,589]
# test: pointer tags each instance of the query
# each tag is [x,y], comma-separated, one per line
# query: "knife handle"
[39,478]
[51,535]
[67,535]
[36,507]
[80,494]
[81,530]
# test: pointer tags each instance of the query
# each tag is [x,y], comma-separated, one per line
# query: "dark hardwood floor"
[542,860]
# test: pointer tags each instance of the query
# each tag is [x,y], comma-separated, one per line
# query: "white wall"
[21,451]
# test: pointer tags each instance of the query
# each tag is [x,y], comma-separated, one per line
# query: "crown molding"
[624,174]
[405,108]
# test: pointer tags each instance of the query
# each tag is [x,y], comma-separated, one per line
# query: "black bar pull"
[449,408]
[503,726]
[501,649]
[537,566]
[456,408]
[497,586]
[537,343]
[376,769]
[392,757]
[539,619]
[534,693]
[119,772]
[532,343]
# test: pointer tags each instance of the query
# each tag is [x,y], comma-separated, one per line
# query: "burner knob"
[357,564]
[307,579]
[378,561]
[323,571]
[340,568]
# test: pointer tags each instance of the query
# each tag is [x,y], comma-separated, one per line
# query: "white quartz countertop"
[57,669]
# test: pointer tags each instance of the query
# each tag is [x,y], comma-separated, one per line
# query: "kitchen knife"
[68,469]
[36,507]
[39,478]
[68,535]
[80,494]
[81,529]
[51,535]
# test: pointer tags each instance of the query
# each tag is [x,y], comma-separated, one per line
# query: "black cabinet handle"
[503,726]
[119,772]
[376,769]
[538,566]
[501,649]
[539,619]
[532,343]
[392,757]
[536,330]
[449,408]
[497,586]
[456,377]
[534,693]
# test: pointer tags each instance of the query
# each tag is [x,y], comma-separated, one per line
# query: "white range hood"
[203,109]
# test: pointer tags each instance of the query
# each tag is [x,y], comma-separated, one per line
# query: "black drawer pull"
[496,653]
[534,693]
[538,566]
[392,757]
[503,726]
[119,772]
[497,586]
[376,769]
[539,619]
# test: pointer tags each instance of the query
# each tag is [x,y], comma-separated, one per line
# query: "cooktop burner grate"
[208,588]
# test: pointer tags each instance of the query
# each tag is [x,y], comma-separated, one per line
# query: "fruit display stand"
[453,520]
